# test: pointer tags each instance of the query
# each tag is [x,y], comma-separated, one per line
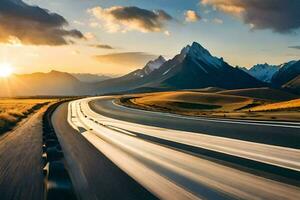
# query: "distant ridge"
[193,68]
[53,83]
[90,78]
[287,72]
[263,72]
[278,76]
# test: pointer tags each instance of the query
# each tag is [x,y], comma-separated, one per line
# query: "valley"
[257,103]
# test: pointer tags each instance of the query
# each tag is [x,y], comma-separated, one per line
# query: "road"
[177,157]
[93,175]
[281,134]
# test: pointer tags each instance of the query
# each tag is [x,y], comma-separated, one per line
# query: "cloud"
[33,25]
[79,23]
[94,24]
[89,36]
[167,33]
[118,18]
[126,59]
[277,15]
[191,16]
[217,21]
[102,46]
[294,47]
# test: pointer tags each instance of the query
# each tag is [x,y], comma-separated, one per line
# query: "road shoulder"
[20,160]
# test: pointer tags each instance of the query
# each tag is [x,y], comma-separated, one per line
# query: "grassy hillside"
[285,105]
[294,85]
[13,111]
[188,100]
[221,104]
[262,93]
[208,89]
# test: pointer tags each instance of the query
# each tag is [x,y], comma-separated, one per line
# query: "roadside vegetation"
[285,105]
[13,111]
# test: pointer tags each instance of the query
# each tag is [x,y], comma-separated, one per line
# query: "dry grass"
[285,105]
[187,100]
[208,89]
[261,93]
[217,104]
[13,111]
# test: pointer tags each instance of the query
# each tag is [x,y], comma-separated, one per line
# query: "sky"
[114,37]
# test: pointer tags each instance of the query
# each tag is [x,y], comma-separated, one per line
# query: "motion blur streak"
[173,174]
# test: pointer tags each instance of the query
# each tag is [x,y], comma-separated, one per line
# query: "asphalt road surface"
[113,151]
[281,134]
[93,175]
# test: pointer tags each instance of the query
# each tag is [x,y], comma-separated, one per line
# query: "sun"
[5,70]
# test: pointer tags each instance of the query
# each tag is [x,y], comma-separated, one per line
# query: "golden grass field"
[261,93]
[187,100]
[285,105]
[257,103]
[13,111]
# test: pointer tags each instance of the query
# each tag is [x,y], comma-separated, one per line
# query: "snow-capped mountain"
[193,67]
[154,64]
[197,52]
[149,67]
[263,72]
[287,72]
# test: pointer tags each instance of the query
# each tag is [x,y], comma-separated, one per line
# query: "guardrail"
[57,182]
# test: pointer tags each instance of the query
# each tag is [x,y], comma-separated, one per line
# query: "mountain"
[131,80]
[293,85]
[194,67]
[90,78]
[149,67]
[284,76]
[263,72]
[53,83]
[287,72]
[154,65]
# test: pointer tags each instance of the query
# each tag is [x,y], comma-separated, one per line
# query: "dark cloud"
[33,25]
[281,16]
[102,46]
[132,18]
[126,59]
[294,47]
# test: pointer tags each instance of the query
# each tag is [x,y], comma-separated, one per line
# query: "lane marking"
[249,155]
[232,189]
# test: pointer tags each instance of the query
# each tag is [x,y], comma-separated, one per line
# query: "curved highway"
[169,156]
[277,133]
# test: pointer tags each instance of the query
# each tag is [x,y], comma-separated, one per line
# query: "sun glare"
[5,70]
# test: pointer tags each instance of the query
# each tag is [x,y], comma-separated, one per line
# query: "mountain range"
[44,84]
[193,68]
[284,76]
[263,72]
[90,78]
